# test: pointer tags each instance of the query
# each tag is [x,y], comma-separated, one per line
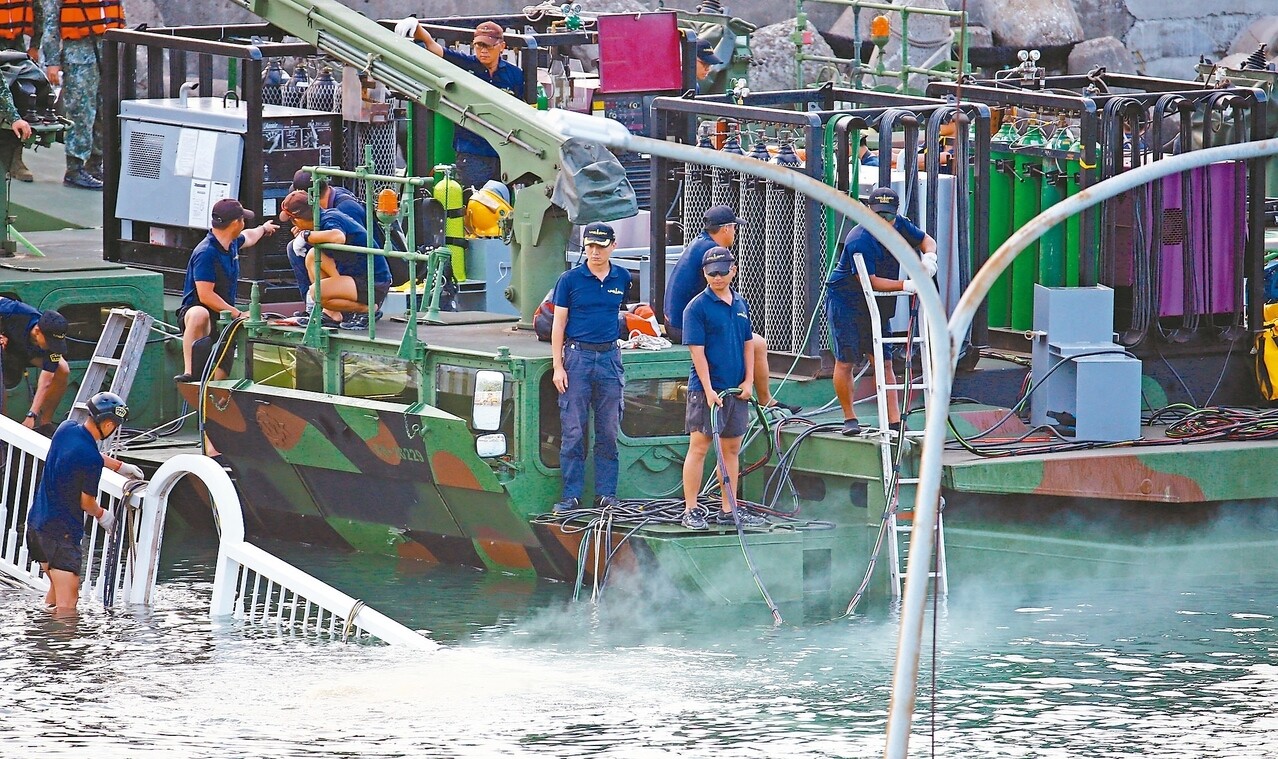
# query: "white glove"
[297,247]
[908,286]
[406,27]
[130,471]
[929,263]
[107,520]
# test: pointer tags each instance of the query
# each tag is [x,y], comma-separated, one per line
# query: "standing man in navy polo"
[587,366]
[719,339]
[851,333]
[31,338]
[686,281]
[212,281]
[477,162]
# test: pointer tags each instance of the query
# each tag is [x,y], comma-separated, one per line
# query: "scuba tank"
[448,193]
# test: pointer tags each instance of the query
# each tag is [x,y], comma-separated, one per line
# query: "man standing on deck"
[343,285]
[31,338]
[212,279]
[17,32]
[587,366]
[686,281]
[720,341]
[68,489]
[851,336]
[477,162]
[72,44]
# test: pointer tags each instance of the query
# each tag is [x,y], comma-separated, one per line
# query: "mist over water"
[1159,648]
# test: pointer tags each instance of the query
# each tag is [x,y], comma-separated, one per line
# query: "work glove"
[406,27]
[107,520]
[929,263]
[908,286]
[297,246]
[130,471]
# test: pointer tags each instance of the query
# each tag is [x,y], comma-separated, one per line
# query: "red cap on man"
[490,32]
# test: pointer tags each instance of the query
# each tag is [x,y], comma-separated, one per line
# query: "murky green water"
[1102,667]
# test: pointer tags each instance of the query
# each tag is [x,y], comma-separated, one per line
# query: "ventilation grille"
[145,152]
[1173,226]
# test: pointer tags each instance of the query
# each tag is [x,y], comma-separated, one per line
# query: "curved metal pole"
[614,135]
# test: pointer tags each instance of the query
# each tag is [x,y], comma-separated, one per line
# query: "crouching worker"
[716,329]
[212,280]
[343,285]
[30,338]
[68,489]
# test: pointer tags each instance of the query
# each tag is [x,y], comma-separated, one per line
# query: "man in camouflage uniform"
[71,47]
[18,129]
[16,28]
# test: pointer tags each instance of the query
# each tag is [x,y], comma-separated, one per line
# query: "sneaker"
[184,377]
[851,427]
[82,179]
[793,409]
[355,323]
[326,321]
[607,502]
[566,505]
[694,519]
[748,518]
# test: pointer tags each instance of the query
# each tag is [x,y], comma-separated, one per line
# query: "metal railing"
[255,587]
[131,575]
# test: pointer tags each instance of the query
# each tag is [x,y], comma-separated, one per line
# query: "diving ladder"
[901,522]
[104,359]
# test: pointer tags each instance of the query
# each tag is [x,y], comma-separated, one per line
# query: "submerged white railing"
[22,455]
[256,587]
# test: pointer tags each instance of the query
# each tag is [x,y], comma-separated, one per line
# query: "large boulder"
[1102,51]
[1033,23]
[773,66]
[1104,18]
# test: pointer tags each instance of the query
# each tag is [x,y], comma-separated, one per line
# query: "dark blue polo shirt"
[508,77]
[354,265]
[592,304]
[342,199]
[16,321]
[74,466]
[878,261]
[686,279]
[723,329]
[210,262]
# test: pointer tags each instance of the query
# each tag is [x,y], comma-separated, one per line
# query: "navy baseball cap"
[705,53]
[598,233]
[228,210]
[883,199]
[54,327]
[717,216]
[718,260]
[302,180]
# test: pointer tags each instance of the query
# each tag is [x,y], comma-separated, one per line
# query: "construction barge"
[1110,372]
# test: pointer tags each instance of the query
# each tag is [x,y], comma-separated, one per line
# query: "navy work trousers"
[595,382]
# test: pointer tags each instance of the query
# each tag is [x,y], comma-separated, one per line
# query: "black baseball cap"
[598,233]
[717,216]
[302,180]
[705,53]
[718,260]
[54,327]
[228,210]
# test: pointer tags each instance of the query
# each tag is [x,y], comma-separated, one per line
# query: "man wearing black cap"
[686,280]
[212,281]
[31,338]
[720,341]
[851,335]
[336,198]
[477,162]
[705,59]
[587,366]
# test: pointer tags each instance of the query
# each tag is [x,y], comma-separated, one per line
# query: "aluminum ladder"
[104,359]
[901,524]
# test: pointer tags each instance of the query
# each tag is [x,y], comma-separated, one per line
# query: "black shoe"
[607,502]
[356,323]
[694,519]
[793,409]
[82,179]
[325,321]
[851,427]
[184,377]
[748,518]
[301,314]
[566,505]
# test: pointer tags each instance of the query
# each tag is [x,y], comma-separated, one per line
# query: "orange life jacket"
[15,19]
[81,18]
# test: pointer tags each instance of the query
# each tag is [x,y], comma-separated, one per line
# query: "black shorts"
[56,549]
[202,347]
[732,418]
[361,292]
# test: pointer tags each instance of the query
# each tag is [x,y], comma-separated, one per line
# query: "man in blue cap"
[705,59]
[851,335]
[587,366]
[721,345]
[686,281]
[28,338]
